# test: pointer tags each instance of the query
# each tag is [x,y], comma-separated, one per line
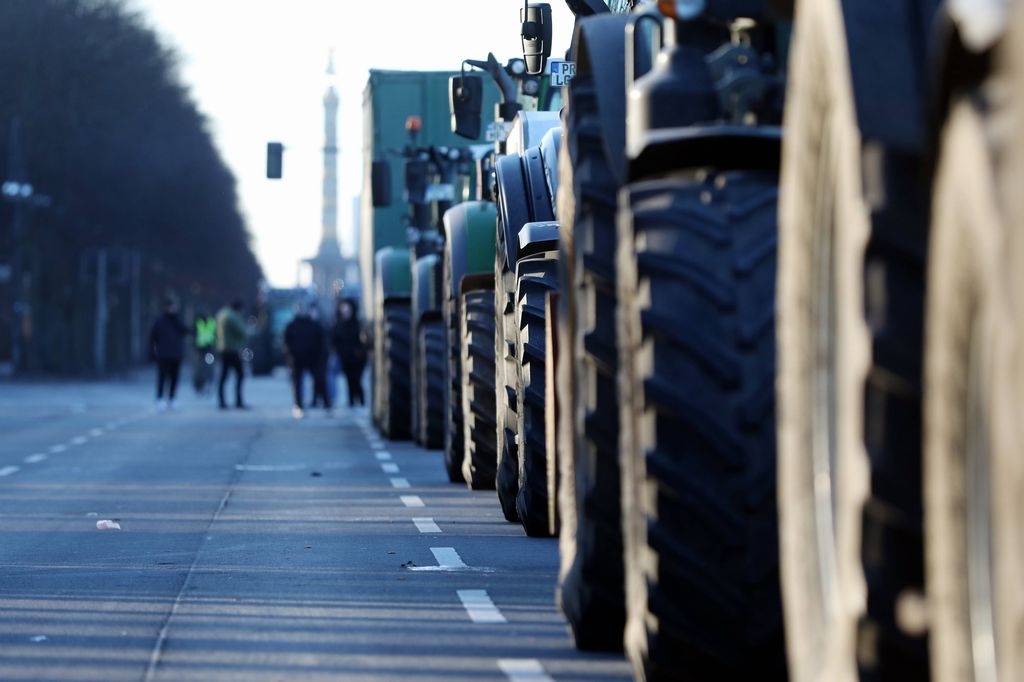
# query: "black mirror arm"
[505,83]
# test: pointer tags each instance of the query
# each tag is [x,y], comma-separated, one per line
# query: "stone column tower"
[328,265]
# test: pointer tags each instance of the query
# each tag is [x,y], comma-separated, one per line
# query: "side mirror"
[275,160]
[380,183]
[536,34]
[466,101]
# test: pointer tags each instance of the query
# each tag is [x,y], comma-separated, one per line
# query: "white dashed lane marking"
[523,670]
[8,470]
[412,501]
[383,456]
[399,483]
[426,525]
[389,468]
[57,449]
[480,607]
[35,459]
[79,440]
[96,433]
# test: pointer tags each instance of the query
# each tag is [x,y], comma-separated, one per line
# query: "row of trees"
[112,136]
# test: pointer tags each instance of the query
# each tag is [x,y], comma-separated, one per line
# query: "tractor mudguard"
[522,197]
[426,290]
[549,146]
[717,146]
[600,43]
[471,240]
[394,279]
[537,238]
[888,44]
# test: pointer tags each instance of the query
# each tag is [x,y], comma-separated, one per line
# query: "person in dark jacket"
[305,345]
[167,348]
[348,343]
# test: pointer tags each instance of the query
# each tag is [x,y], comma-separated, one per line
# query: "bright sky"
[256,69]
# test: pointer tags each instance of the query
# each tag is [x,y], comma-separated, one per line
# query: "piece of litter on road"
[390,552]
[39,638]
[408,564]
[107,524]
[315,474]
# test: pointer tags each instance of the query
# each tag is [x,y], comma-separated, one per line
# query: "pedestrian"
[167,348]
[205,335]
[320,391]
[348,343]
[231,337]
[306,345]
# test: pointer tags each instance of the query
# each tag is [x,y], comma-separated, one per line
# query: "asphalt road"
[256,547]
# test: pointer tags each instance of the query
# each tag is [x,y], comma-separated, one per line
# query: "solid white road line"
[399,483]
[426,525]
[523,670]
[35,459]
[412,501]
[480,607]
[270,467]
[8,470]
[383,456]
[56,449]
[389,468]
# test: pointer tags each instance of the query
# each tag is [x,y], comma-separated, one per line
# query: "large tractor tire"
[591,580]
[823,354]
[507,474]
[536,276]
[396,388]
[974,474]
[696,295]
[479,466]
[431,384]
[453,437]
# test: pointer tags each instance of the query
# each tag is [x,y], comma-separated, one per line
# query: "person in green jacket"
[231,337]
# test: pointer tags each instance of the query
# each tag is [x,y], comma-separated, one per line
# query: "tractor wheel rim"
[824,384]
[980,565]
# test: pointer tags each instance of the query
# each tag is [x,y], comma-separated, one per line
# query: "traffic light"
[275,160]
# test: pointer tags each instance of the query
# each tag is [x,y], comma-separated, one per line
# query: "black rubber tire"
[591,593]
[479,467]
[893,526]
[454,437]
[507,475]
[431,385]
[697,263]
[396,349]
[535,277]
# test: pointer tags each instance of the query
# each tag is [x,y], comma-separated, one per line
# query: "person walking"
[321,397]
[306,345]
[167,348]
[205,335]
[231,336]
[348,343]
